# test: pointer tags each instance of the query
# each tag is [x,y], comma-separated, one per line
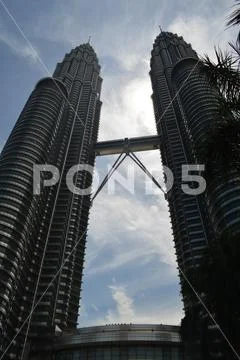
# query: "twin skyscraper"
[43,237]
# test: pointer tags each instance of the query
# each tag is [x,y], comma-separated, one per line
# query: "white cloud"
[124,311]
[131,229]
[202,32]
[127,109]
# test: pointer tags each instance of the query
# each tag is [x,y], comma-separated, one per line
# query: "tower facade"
[182,115]
[190,225]
[42,237]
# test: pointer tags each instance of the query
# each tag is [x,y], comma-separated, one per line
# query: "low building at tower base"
[112,342]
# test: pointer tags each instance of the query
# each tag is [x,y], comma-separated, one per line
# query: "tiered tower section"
[79,71]
[190,224]
[42,237]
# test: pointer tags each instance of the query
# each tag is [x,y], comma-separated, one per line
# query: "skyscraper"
[200,103]
[191,229]
[57,126]
[203,123]
[184,107]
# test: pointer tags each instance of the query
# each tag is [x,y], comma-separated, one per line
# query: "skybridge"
[127,145]
[127,148]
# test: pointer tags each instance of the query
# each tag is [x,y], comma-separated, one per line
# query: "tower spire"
[89,39]
[160,28]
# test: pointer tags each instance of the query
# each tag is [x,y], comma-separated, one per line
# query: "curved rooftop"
[142,333]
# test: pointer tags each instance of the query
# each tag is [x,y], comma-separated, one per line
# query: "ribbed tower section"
[42,238]
[180,136]
[200,105]
[199,102]
[32,141]
[189,221]
[65,249]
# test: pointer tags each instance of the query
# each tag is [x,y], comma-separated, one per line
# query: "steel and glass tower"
[190,223]
[184,107]
[42,237]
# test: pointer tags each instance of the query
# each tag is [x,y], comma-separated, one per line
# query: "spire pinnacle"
[89,39]
[160,28]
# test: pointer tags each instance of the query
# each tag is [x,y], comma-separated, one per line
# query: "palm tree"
[224,74]
[234,18]
[221,149]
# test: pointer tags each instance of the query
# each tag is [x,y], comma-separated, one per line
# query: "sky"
[130,273]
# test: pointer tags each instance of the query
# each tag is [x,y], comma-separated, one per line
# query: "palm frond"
[236,49]
[221,148]
[234,18]
[222,75]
